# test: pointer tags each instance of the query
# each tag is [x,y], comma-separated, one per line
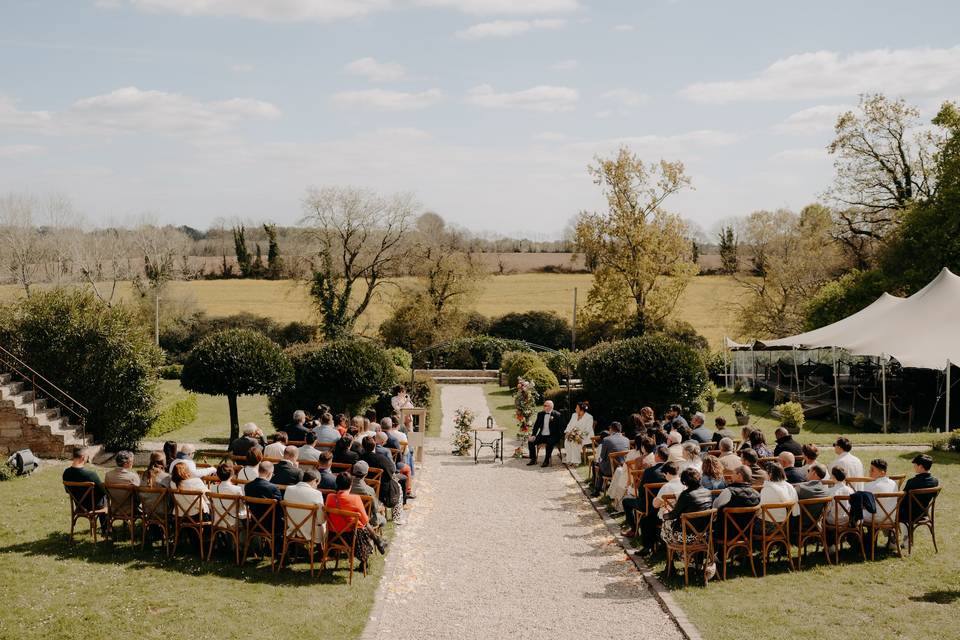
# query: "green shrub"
[715,365]
[176,416]
[564,363]
[182,335]
[544,328]
[948,443]
[236,362]
[400,357]
[171,371]
[791,416]
[520,365]
[564,401]
[542,378]
[97,354]
[6,471]
[469,353]
[620,377]
[346,374]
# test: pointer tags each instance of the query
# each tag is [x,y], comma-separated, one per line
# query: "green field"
[53,589]
[710,303]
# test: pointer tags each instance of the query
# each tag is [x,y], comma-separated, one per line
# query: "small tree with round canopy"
[236,362]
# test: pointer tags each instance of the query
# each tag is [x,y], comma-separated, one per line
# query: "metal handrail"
[65,400]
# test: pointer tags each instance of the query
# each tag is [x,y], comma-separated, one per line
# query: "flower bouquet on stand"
[525,402]
[462,421]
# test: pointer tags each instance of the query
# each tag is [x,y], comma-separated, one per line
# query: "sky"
[489,111]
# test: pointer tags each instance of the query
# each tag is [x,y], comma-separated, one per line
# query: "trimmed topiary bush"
[176,416]
[400,357]
[346,374]
[542,378]
[236,362]
[171,371]
[99,355]
[544,328]
[520,364]
[620,377]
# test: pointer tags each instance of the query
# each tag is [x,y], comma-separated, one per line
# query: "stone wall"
[19,431]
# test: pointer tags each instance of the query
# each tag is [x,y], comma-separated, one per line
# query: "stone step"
[459,373]
[463,380]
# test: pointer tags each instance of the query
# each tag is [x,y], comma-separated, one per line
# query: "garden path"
[506,551]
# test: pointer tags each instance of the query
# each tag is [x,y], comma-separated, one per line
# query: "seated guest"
[297,430]
[745,432]
[777,490]
[880,483]
[647,446]
[837,515]
[326,432]
[691,456]
[692,499]
[327,479]
[251,469]
[77,472]
[308,450]
[700,432]
[813,487]
[340,422]
[182,480]
[785,442]
[226,486]
[361,488]
[749,457]
[613,443]
[252,437]
[810,454]
[123,474]
[922,480]
[621,476]
[737,494]
[305,491]
[343,452]
[386,428]
[287,471]
[343,500]
[368,430]
[275,448]
[675,419]
[380,440]
[673,488]
[720,430]
[155,475]
[261,487]
[389,470]
[651,475]
[674,448]
[851,465]
[185,455]
[712,477]
[728,458]
[794,473]
[758,442]
[169,453]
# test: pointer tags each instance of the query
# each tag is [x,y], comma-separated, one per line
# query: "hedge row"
[176,416]
[469,353]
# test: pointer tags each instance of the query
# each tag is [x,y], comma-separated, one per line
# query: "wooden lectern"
[415,438]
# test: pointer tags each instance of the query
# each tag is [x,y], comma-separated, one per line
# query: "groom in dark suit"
[547,430]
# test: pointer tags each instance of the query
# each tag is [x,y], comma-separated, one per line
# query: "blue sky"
[488,110]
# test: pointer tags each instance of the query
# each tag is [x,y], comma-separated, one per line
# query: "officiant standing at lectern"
[547,430]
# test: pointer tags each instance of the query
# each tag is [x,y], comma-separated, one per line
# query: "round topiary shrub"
[346,374]
[542,378]
[620,377]
[400,357]
[236,362]
[520,365]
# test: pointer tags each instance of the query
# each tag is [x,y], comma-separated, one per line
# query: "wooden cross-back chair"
[83,505]
[812,526]
[374,484]
[775,532]
[310,464]
[328,446]
[261,525]
[737,533]
[887,519]
[696,537]
[921,512]
[899,479]
[188,516]
[635,470]
[395,453]
[368,507]
[155,512]
[226,519]
[343,541]
[847,528]
[375,473]
[615,459]
[122,505]
[300,528]
[649,493]
[590,453]
[340,467]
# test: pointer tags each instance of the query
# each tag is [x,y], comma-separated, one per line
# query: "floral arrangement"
[525,401]
[462,421]
[575,435]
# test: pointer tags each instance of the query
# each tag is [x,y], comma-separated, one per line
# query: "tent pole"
[726,375]
[796,373]
[836,383]
[883,374]
[946,422]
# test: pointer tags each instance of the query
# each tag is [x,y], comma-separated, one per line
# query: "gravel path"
[510,551]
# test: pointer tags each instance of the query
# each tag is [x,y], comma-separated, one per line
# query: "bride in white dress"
[582,422]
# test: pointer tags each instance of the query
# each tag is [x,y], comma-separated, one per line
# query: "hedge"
[184,333]
[469,353]
[544,328]
[171,371]
[176,416]
[542,378]
[564,363]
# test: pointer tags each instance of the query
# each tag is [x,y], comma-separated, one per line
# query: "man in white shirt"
[305,492]
[728,458]
[275,448]
[835,514]
[674,447]
[880,483]
[185,455]
[307,451]
[851,464]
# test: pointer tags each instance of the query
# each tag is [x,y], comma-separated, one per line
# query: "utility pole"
[573,335]
[156,316]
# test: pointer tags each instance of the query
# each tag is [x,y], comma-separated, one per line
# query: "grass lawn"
[914,597]
[57,590]
[212,425]
[709,303]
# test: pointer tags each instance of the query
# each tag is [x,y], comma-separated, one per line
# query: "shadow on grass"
[58,547]
[939,457]
[940,596]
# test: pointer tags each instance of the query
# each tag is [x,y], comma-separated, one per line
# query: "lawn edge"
[659,590]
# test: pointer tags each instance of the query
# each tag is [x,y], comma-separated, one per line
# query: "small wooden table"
[496,444]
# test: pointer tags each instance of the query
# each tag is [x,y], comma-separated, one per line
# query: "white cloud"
[10,151]
[508,28]
[566,65]
[132,110]
[627,97]
[376,71]
[551,136]
[827,74]
[329,10]
[688,144]
[816,119]
[388,100]
[242,68]
[542,98]
[623,28]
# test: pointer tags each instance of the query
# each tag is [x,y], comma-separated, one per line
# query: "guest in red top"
[346,501]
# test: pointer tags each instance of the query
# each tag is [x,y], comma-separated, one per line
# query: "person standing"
[546,431]
[581,423]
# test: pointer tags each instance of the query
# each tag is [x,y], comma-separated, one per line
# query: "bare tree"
[358,243]
[102,260]
[159,248]
[22,242]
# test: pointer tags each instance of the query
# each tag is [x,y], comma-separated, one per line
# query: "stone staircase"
[460,376]
[29,424]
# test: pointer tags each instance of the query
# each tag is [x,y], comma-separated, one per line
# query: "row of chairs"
[769,525]
[241,519]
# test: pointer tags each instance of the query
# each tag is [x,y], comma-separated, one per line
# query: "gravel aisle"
[506,552]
